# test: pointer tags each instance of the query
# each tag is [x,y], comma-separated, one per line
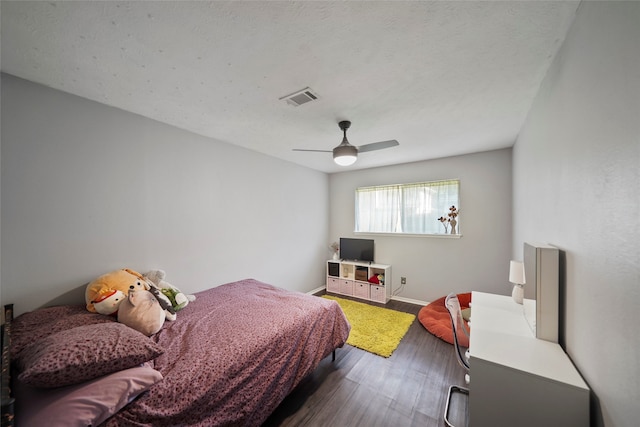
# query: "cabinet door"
[378,294]
[361,290]
[333,285]
[346,287]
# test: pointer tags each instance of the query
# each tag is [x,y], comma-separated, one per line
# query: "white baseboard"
[409,300]
[395,297]
[316,290]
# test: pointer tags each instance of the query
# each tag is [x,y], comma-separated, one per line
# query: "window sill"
[437,236]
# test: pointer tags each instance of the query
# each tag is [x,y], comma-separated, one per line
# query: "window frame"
[400,187]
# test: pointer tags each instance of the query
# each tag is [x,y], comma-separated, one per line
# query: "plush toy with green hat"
[175,296]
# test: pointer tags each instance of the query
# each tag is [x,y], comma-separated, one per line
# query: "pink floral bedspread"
[234,354]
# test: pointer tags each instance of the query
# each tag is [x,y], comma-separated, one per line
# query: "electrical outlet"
[403,280]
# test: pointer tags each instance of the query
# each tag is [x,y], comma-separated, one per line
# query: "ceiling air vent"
[300,97]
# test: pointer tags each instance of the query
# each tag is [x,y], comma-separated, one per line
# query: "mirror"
[529,300]
[541,290]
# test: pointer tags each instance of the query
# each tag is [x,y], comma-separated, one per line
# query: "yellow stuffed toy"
[105,293]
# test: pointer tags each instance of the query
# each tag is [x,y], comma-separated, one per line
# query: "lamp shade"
[345,155]
[516,272]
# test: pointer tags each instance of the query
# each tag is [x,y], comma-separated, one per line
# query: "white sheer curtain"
[378,209]
[406,208]
[424,203]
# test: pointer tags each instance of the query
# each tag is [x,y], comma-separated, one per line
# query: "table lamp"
[516,276]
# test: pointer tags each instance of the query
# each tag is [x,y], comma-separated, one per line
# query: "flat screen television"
[356,249]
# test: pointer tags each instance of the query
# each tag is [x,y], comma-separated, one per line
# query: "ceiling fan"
[346,154]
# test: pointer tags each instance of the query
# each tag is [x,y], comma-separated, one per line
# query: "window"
[405,208]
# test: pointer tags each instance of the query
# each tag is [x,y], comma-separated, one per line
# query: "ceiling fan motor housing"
[345,155]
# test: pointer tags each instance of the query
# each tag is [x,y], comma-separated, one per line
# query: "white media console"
[351,278]
[516,378]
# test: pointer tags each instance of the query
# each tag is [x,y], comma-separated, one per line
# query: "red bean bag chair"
[435,318]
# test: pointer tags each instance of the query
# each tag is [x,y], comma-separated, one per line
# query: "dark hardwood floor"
[362,389]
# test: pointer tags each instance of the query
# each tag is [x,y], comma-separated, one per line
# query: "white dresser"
[517,379]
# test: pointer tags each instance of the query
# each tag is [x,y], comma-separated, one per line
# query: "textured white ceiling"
[443,78]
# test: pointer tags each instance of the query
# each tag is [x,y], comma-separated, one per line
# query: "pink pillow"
[33,325]
[83,353]
[86,404]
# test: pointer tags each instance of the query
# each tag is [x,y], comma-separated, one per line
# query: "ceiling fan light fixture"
[345,155]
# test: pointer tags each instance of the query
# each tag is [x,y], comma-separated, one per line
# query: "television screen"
[356,249]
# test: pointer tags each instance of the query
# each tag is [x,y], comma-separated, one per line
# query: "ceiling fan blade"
[316,151]
[378,145]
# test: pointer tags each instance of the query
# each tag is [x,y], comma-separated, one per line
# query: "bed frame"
[7,398]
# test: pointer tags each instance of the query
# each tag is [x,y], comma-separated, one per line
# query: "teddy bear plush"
[100,296]
[141,311]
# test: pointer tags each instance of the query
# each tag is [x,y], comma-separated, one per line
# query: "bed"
[229,359]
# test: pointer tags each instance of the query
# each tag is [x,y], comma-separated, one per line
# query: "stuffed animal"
[377,279]
[173,295]
[101,289]
[165,303]
[142,312]
[108,302]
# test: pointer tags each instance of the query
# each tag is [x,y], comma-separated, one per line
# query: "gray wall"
[577,186]
[88,188]
[435,266]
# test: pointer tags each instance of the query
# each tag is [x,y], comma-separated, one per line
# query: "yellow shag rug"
[374,329]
